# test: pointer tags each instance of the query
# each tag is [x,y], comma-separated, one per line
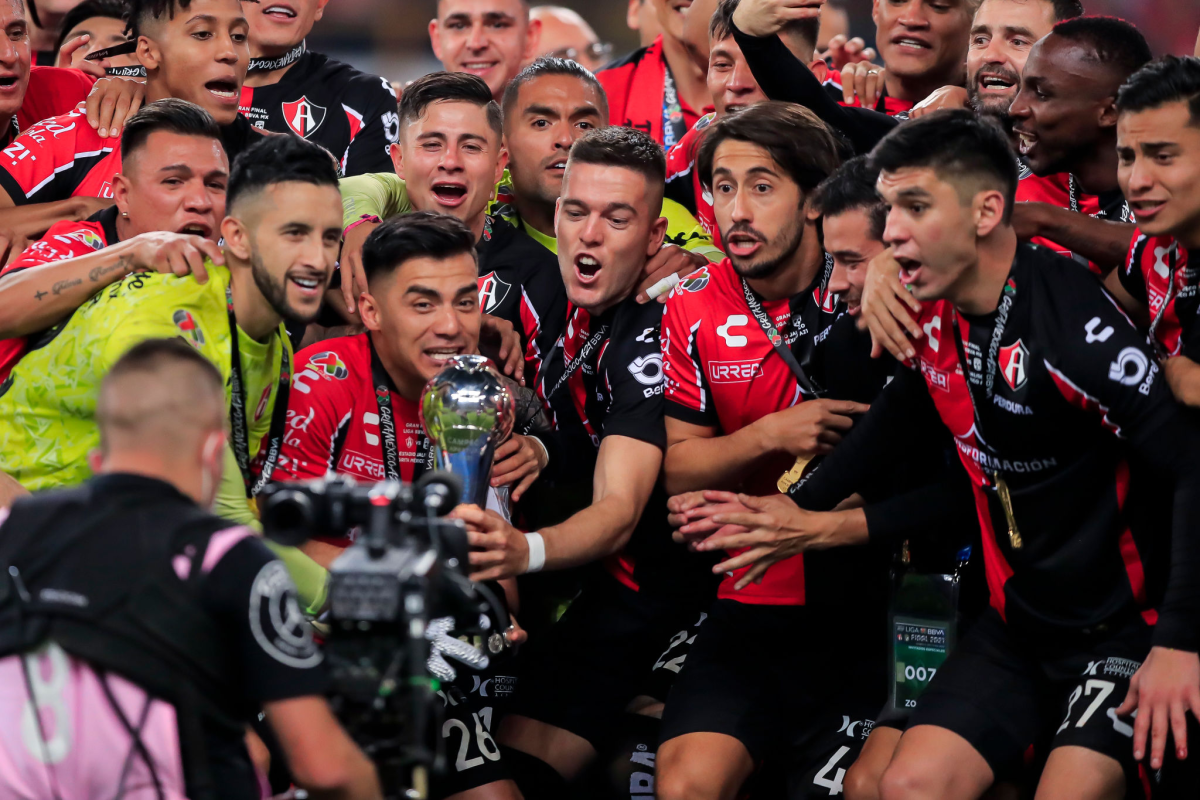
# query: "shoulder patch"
[189,327]
[329,365]
[696,280]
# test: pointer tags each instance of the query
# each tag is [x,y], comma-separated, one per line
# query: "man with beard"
[486,38]
[658,89]
[1065,122]
[281,241]
[1002,34]
[747,399]
[170,200]
[290,90]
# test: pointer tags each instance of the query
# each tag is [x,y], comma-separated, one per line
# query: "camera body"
[406,567]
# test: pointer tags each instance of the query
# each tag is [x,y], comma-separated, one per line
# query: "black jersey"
[1082,465]
[519,281]
[351,114]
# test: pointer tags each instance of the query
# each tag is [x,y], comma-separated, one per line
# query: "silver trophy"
[467,411]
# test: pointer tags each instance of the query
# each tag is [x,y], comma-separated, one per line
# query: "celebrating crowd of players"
[783,327]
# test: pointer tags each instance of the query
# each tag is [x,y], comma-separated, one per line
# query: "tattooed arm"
[36,294]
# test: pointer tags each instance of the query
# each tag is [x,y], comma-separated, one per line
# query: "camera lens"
[288,517]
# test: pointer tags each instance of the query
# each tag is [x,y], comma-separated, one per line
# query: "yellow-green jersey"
[48,404]
[383,194]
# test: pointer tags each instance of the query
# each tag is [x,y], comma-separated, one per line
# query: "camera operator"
[139,633]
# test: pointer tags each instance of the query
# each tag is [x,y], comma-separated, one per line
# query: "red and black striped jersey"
[1159,273]
[1083,465]
[519,281]
[641,94]
[1063,190]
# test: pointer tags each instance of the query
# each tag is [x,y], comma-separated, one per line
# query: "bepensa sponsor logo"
[733,371]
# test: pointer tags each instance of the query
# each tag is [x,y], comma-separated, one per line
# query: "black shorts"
[582,673]
[1002,693]
[772,676]
[472,706]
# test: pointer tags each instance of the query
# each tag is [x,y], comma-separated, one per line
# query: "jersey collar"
[260,65]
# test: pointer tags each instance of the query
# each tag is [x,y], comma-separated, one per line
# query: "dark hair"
[721,25]
[549,65]
[618,146]
[853,187]
[1170,79]
[416,235]
[152,354]
[112,9]
[1067,9]
[1117,44]
[448,86]
[797,140]
[279,159]
[142,10]
[955,143]
[170,114]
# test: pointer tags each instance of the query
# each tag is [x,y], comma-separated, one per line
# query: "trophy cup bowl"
[467,411]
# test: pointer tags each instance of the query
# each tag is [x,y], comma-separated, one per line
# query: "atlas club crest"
[1012,364]
[303,117]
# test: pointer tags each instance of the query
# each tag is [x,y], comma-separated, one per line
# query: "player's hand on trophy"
[498,550]
[518,462]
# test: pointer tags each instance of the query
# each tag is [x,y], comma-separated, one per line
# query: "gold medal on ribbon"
[1014,535]
[788,479]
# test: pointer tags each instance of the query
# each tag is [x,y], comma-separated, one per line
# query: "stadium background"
[390,37]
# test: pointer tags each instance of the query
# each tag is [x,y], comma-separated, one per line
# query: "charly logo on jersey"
[492,292]
[731,322]
[695,281]
[303,117]
[187,324]
[328,365]
[933,333]
[1012,364]
[1161,265]
[85,237]
[1094,333]
[1129,367]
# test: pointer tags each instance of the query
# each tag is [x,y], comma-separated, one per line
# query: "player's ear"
[121,192]
[501,163]
[433,39]
[148,53]
[820,69]
[398,159]
[237,237]
[95,460]
[988,211]
[368,311]
[533,35]
[320,9]
[1108,113]
[658,233]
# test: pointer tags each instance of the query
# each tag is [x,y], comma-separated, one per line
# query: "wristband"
[360,221]
[537,552]
[662,287]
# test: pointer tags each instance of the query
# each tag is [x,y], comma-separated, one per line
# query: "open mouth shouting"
[587,268]
[1026,141]
[557,166]
[910,270]
[8,82]
[438,356]
[196,229]
[744,243]
[224,91]
[449,194]
[1146,209]
[996,82]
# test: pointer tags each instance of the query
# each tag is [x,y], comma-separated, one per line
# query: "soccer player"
[1067,431]
[1158,151]
[565,34]
[602,385]
[103,22]
[291,90]
[170,200]
[194,50]
[1002,34]
[356,410]
[281,232]
[659,89]
[852,220]
[487,38]
[1065,123]
[747,378]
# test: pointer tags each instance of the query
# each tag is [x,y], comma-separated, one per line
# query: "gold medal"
[1014,535]
[788,479]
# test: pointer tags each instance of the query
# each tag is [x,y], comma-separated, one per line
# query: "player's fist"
[810,428]
[863,80]
[768,17]
[945,97]
[842,51]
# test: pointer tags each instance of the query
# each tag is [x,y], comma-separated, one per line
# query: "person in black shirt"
[602,383]
[1084,477]
[159,565]
[290,90]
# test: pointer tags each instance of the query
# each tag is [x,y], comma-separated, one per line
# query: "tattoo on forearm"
[122,266]
[39,295]
[60,286]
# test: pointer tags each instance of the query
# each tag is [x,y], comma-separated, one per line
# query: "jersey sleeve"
[374,128]
[52,91]
[1131,277]
[379,194]
[47,162]
[634,374]
[317,417]
[685,389]
[54,246]
[1103,365]
[253,595]
[685,230]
